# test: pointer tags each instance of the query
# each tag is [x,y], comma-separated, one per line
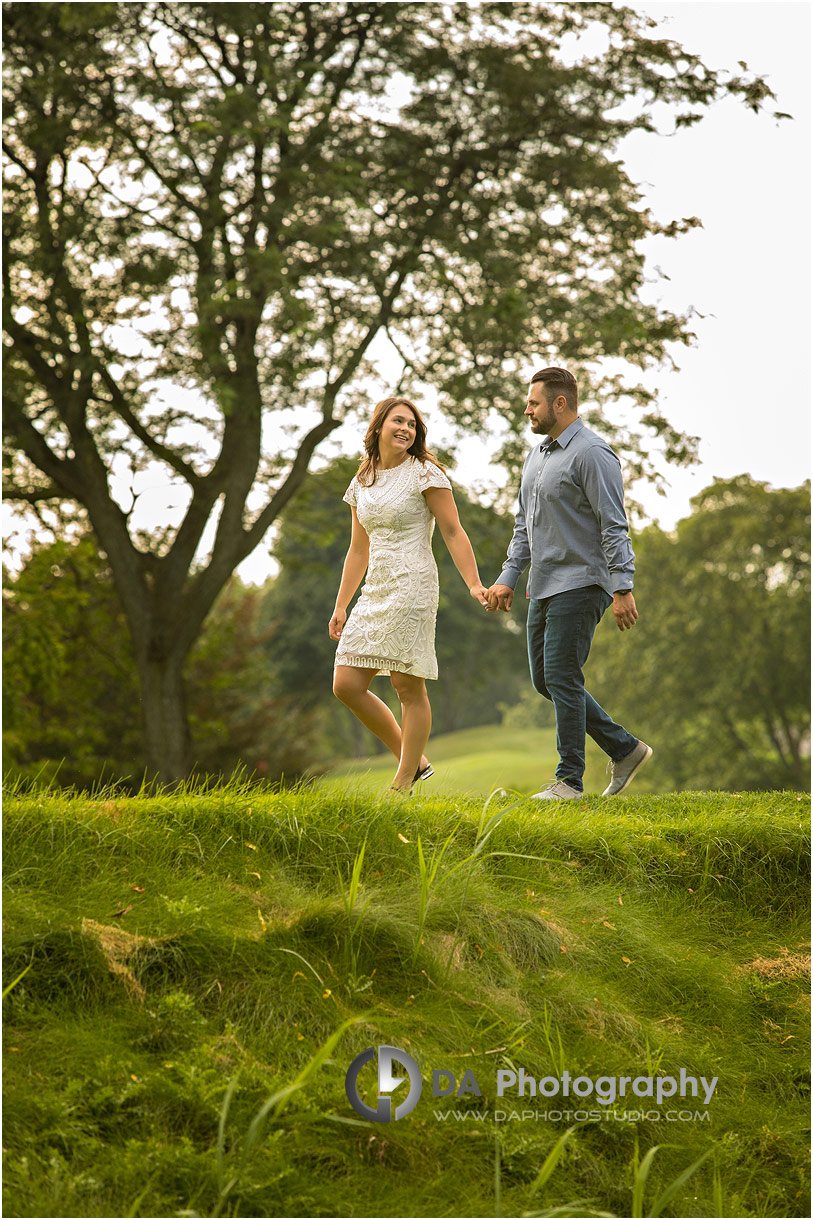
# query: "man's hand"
[499,597]
[624,610]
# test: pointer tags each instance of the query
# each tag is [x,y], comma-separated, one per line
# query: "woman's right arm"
[355,565]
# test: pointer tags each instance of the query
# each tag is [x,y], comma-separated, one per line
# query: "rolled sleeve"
[604,489]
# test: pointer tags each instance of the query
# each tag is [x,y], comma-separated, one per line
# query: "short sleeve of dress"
[349,496]
[430,475]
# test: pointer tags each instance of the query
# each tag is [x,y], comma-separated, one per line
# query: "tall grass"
[190,974]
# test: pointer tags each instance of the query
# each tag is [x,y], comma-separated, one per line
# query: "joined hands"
[499,597]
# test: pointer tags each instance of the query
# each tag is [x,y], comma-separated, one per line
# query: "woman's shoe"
[425,773]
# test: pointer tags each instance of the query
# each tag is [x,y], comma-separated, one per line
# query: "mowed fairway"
[476,761]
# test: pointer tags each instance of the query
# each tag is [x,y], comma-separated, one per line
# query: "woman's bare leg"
[416,723]
[351,685]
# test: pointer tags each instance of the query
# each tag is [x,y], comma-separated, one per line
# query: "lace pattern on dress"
[384,665]
[392,626]
[432,476]
[349,496]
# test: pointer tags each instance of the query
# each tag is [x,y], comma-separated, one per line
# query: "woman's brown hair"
[369,465]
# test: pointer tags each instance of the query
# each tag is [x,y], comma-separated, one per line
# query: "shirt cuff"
[622,584]
[508,576]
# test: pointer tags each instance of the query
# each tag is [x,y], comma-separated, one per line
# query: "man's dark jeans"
[560,632]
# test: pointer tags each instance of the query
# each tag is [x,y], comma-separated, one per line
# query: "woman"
[399,492]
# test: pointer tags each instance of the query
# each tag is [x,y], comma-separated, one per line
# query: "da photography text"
[573,1116]
[604,1090]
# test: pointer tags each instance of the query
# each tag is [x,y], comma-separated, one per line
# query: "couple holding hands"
[570,525]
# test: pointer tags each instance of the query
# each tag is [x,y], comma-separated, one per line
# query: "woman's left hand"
[478,592]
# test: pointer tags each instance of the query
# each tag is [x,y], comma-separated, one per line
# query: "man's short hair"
[556,382]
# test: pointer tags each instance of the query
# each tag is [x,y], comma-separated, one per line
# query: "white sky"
[744,387]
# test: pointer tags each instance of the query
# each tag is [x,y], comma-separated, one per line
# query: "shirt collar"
[564,438]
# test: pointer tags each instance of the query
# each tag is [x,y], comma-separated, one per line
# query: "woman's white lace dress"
[392,625]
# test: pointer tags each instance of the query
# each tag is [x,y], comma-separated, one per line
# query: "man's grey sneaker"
[624,772]
[558,791]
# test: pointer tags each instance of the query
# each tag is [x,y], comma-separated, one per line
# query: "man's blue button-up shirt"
[570,520]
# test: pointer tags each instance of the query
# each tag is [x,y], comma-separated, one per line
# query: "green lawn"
[191,975]
[476,761]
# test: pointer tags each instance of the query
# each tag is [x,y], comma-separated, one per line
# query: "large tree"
[71,684]
[214,210]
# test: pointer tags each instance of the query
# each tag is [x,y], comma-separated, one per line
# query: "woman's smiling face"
[399,429]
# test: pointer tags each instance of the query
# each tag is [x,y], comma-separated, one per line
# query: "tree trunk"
[166,726]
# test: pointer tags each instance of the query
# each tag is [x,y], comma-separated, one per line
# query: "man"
[571,524]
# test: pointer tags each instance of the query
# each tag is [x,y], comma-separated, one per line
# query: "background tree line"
[717,668]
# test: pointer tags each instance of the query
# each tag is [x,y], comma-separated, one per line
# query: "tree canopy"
[213,211]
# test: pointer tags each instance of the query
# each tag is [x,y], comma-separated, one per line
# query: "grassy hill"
[476,761]
[190,977]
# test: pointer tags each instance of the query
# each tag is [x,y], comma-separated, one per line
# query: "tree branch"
[164,14]
[34,495]
[27,344]
[63,472]
[156,448]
